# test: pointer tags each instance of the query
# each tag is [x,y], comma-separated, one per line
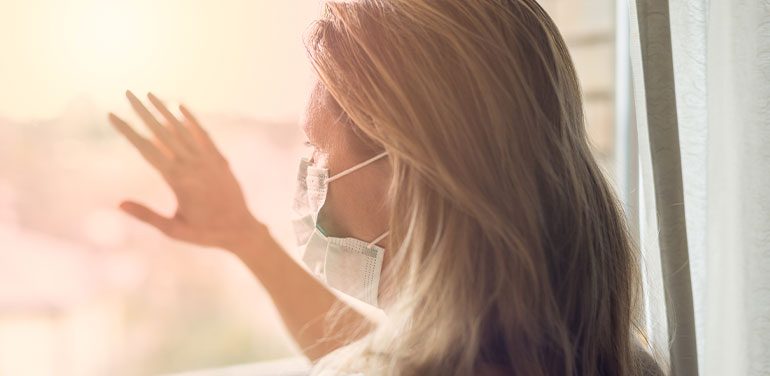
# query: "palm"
[211,209]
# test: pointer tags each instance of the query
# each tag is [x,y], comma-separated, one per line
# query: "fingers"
[144,214]
[200,133]
[177,127]
[146,148]
[157,129]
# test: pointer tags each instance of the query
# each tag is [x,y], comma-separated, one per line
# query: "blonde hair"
[509,246]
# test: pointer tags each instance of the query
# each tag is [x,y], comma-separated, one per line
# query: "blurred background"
[87,290]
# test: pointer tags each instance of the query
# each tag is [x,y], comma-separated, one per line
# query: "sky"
[233,56]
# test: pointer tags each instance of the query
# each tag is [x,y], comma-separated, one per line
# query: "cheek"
[353,207]
[333,217]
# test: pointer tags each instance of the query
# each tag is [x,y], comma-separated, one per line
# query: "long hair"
[509,246]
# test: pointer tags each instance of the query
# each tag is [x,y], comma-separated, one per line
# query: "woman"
[451,183]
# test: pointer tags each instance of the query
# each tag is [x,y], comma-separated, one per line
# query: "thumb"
[146,215]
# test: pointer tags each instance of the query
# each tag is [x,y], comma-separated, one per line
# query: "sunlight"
[237,56]
[106,39]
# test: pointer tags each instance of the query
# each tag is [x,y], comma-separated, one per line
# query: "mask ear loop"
[378,239]
[356,167]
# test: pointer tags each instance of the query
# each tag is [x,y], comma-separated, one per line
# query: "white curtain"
[701,74]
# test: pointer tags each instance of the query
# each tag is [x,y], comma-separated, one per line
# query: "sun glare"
[106,39]
[241,56]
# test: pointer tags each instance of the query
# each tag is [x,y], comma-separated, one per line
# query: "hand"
[211,209]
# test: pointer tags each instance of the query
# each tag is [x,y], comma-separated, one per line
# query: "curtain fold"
[701,73]
[654,67]
[735,306]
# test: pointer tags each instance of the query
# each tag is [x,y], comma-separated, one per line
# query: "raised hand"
[211,209]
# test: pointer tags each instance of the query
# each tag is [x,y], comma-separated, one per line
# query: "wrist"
[251,238]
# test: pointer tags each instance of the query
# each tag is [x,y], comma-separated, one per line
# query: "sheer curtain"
[701,75]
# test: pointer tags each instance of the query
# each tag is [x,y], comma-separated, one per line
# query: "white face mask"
[349,265]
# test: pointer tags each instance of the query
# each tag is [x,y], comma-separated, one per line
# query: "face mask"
[349,265]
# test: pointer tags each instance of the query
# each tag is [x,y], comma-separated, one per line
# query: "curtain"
[701,81]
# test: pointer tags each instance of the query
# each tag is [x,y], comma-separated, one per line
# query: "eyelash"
[308,144]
